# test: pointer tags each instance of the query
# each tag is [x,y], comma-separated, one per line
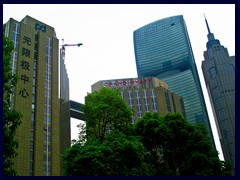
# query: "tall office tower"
[219,73]
[145,95]
[65,121]
[163,49]
[35,61]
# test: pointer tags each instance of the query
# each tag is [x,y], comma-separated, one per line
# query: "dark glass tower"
[219,74]
[163,49]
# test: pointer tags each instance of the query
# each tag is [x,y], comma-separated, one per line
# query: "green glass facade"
[163,49]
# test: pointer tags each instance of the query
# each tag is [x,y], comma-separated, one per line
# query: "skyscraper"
[219,74]
[35,61]
[143,95]
[163,49]
[65,122]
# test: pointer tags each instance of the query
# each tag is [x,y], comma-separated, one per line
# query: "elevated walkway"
[76,110]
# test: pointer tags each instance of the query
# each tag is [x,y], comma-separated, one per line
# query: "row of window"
[32,139]
[145,99]
[15,40]
[47,109]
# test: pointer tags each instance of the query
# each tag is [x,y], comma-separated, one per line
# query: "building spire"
[210,35]
[211,39]
[209,32]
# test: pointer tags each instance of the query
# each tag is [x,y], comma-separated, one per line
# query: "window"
[33,119]
[34,73]
[213,72]
[35,64]
[32,135]
[35,55]
[167,101]
[146,101]
[33,98]
[130,103]
[122,95]
[32,125]
[34,81]
[33,107]
[36,46]
[31,145]
[36,37]
[232,67]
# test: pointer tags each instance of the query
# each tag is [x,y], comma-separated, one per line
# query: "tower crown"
[210,35]
[211,39]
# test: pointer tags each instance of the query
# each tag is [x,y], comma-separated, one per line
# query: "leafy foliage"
[105,111]
[154,146]
[11,117]
[178,148]
[81,135]
[118,155]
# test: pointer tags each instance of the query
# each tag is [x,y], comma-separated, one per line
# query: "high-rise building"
[65,121]
[163,50]
[143,95]
[35,61]
[219,74]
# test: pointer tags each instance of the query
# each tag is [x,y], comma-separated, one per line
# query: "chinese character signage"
[25,65]
[125,82]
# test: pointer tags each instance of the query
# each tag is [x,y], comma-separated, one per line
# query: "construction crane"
[63,46]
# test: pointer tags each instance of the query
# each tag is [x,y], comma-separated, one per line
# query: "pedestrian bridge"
[76,110]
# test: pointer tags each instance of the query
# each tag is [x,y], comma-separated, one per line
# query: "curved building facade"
[163,49]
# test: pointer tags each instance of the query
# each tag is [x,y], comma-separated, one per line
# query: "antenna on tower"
[209,32]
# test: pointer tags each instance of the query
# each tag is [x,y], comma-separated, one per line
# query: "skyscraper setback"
[219,73]
[35,61]
[163,49]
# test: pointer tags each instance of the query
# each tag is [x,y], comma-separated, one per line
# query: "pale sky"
[106,32]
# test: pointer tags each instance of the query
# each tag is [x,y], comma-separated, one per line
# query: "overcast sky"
[106,32]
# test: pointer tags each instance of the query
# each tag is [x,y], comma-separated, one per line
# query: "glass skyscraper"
[163,49]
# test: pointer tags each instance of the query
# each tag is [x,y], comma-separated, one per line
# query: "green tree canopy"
[178,148]
[105,111]
[11,117]
[154,146]
[118,155]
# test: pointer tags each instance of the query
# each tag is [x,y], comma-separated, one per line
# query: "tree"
[105,111]
[81,135]
[118,155]
[175,147]
[86,160]
[127,157]
[11,117]
[103,147]
[155,145]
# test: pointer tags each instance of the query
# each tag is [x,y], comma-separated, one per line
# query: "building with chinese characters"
[148,94]
[163,49]
[219,74]
[35,61]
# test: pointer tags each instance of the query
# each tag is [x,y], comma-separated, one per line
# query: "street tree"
[105,111]
[11,117]
[118,155]
[176,147]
